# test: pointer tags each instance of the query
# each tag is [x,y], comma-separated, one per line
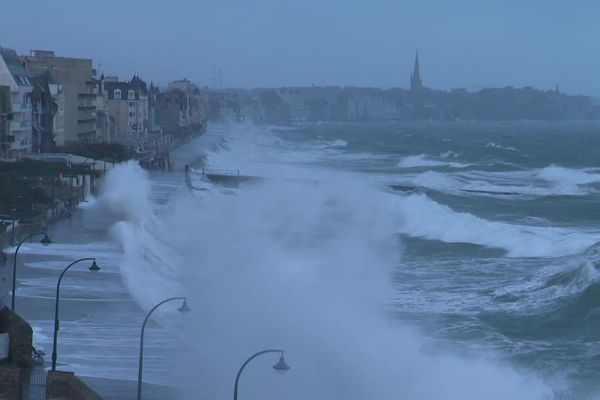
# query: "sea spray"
[302,266]
[481,315]
[147,267]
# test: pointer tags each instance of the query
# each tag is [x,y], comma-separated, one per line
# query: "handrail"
[225,172]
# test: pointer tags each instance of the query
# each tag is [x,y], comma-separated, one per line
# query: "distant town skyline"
[274,43]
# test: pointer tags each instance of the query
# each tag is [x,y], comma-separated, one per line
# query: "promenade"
[100,322]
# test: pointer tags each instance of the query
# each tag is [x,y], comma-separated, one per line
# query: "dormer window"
[131,95]
[117,94]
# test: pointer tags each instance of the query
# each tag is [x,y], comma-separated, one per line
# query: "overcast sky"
[260,43]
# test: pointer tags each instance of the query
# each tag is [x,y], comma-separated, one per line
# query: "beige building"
[127,104]
[75,76]
[17,139]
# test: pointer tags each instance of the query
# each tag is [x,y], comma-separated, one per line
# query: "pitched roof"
[139,84]
[17,70]
[139,89]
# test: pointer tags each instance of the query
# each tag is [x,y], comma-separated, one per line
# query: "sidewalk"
[117,389]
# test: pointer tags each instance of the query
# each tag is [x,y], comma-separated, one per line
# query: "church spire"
[415,79]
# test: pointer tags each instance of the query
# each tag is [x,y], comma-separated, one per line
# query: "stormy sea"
[396,260]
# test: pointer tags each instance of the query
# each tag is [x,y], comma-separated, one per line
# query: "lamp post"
[45,241]
[12,233]
[94,267]
[184,308]
[280,367]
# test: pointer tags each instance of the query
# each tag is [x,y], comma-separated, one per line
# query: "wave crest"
[423,160]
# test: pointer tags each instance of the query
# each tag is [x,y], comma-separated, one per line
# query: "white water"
[303,265]
[549,181]
[493,145]
[423,217]
[567,179]
[422,160]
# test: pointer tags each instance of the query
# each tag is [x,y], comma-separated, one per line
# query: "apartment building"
[17,119]
[127,104]
[75,75]
[47,102]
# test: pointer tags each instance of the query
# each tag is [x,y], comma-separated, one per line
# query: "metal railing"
[35,386]
[222,172]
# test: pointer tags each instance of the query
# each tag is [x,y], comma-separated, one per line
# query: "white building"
[14,75]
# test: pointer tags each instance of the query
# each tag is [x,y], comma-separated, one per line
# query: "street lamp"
[94,267]
[45,241]
[281,367]
[184,308]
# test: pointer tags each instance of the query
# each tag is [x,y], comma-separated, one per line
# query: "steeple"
[415,79]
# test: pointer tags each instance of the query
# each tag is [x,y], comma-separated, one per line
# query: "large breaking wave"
[303,265]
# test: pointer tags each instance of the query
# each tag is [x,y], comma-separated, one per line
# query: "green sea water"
[498,248]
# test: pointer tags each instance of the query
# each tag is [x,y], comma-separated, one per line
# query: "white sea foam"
[422,160]
[498,146]
[567,180]
[147,260]
[450,154]
[423,217]
[336,143]
[522,184]
[298,265]
[436,180]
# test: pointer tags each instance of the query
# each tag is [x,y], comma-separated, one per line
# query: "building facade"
[127,104]
[17,121]
[45,96]
[75,75]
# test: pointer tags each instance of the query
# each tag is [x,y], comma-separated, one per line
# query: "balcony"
[20,125]
[20,145]
[86,120]
[21,107]
[7,139]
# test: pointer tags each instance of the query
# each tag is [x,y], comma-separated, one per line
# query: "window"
[131,114]
[131,104]
[131,94]
[117,94]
